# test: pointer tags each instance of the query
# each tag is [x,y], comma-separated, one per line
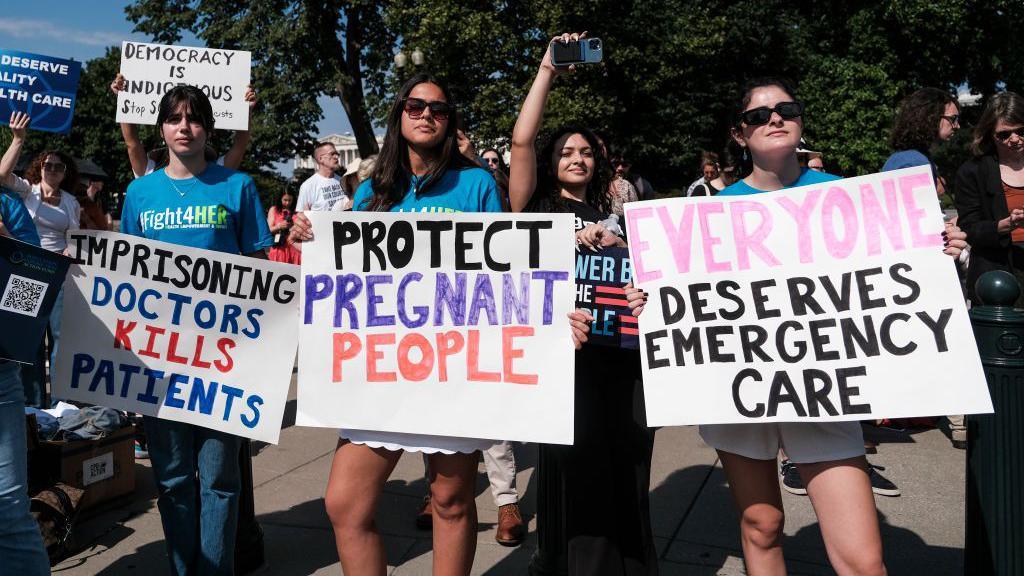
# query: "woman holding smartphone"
[419,169]
[606,472]
[197,473]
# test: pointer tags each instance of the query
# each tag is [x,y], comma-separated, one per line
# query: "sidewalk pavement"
[695,526]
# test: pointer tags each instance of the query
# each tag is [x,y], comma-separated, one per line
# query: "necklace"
[181,192]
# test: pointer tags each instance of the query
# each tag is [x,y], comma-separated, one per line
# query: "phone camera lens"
[595,44]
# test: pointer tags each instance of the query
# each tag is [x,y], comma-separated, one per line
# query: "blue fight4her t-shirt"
[465,190]
[806,178]
[217,210]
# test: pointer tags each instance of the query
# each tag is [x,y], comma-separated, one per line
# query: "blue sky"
[82,30]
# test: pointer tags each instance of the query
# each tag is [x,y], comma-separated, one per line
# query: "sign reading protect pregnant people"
[207,338]
[43,87]
[827,302]
[450,324]
[150,70]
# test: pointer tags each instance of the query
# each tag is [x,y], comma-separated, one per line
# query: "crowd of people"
[426,164]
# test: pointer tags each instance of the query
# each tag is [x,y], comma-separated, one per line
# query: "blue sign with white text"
[44,87]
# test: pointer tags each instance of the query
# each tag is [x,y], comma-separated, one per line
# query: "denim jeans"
[21,546]
[34,377]
[198,482]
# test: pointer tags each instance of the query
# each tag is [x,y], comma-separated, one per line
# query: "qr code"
[23,296]
[98,469]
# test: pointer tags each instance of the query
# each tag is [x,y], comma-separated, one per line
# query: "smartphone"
[584,51]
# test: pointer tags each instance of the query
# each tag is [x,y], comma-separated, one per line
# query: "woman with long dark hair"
[606,472]
[196,469]
[419,169]
[279,219]
[925,118]
[990,191]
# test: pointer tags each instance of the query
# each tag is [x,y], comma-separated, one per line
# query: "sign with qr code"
[195,336]
[30,280]
[99,468]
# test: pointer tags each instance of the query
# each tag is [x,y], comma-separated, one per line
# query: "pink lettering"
[637,246]
[747,242]
[802,216]
[918,239]
[705,210]
[838,198]
[877,220]
[679,237]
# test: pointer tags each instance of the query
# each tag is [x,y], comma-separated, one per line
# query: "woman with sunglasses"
[990,192]
[829,456]
[419,169]
[606,527]
[45,190]
[726,176]
[925,118]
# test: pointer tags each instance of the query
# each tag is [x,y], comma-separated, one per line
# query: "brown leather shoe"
[425,515]
[511,529]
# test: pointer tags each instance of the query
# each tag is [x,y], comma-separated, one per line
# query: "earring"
[745,158]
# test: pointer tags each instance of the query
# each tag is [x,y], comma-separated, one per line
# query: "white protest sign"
[151,70]
[826,302]
[443,324]
[189,335]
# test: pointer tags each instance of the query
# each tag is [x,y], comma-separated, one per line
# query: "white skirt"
[425,443]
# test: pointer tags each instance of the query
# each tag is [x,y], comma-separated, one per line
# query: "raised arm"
[130,133]
[522,177]
[19,130]
[233,159]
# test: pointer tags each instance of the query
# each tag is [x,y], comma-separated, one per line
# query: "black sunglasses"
[761,115]
[953,119]
[1005,135]
[414,107]
[54,166]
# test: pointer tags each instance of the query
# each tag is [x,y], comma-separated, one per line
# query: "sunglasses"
[1005,135]
[414,107]
[953,119]
[54,166]
[763,114]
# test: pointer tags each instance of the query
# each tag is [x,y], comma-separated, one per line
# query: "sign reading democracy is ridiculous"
[43,87]
[443,324]
[826,302]
[150,70]
[189,335]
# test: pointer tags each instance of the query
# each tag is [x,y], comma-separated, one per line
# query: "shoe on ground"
[958,437]
[425,515]
[140,451]
[511,530]
[880,484]
[791,480]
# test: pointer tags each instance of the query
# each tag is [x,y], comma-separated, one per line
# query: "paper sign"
[43,87]
[30,279]
[600,278]
[821,303]
[189,335]
[150,70]
[443,324]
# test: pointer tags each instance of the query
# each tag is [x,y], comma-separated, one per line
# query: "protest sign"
[150,70]
[196,336]
[30,278]
[43,87]
[826,302]
[451,324]
[600,278]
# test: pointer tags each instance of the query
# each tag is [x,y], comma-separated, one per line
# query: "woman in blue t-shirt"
[196,469]
[419,169]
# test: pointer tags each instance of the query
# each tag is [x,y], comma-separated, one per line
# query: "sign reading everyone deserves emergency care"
[832,301]
[451,324]
[43,87]
[150,70]
[196,336]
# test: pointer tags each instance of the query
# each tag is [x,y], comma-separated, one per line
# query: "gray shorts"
[804,442]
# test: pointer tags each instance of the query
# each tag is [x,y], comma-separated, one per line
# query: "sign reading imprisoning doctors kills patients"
[196,336]
[826,302]
[451,324]
[150,70]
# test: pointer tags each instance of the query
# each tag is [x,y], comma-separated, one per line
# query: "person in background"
[816,163]
[726,176]
[708,170]
[495,162]
[622,166]
[323,189]
[349,181]
[925,118]
[94,215]
[279,219]
[144,163]
[55,212]
[21,546]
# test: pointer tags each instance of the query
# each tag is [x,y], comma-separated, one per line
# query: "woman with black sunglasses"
[606,526]
[419,169]
[925,118]
[990,191]
[45,190]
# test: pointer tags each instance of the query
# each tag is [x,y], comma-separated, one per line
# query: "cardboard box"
[104,468]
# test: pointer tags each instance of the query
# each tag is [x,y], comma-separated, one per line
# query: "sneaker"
[425,515]
[880,484]
[791,480]
[140,451]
